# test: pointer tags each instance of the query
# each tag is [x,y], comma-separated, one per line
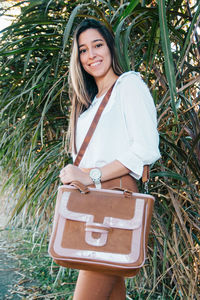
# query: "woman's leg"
[98,286]
[119,290]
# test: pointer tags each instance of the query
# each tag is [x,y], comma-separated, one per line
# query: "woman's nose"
[91,53]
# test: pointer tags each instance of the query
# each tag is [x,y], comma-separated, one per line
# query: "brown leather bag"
[101,229]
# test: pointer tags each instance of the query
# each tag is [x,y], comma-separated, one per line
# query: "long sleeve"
[140,119]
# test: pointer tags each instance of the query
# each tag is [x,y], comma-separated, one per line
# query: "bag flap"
[116,211]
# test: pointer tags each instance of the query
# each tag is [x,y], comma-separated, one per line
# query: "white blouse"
[127,129]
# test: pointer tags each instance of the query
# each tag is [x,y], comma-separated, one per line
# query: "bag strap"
[145,175]
[92,127]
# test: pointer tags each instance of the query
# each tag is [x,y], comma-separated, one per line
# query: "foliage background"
[160,39]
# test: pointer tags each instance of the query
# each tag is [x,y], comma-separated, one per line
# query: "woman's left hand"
[72,173]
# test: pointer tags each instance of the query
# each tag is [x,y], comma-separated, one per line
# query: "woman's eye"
[99,45]
[82,51]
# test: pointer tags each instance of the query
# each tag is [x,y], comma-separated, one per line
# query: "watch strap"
[96,181]
[98,185]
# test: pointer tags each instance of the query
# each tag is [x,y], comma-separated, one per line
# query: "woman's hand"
[72,173]
[109,171]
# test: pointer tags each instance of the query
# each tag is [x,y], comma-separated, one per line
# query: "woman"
[124,141]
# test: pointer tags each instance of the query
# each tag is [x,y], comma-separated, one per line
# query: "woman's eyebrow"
[94,41]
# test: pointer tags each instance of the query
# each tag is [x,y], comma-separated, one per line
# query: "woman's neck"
[103,84]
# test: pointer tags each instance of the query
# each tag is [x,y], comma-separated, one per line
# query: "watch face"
[95,174]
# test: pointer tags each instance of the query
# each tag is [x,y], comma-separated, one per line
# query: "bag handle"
[146,173]
[81,187]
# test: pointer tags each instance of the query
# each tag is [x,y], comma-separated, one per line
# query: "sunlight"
[10,13]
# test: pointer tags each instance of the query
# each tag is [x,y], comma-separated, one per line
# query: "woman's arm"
[139,114]
[72,173]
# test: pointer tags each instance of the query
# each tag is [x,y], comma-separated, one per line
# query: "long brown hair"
[82,86]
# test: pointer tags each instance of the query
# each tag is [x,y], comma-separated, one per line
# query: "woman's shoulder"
[129,78]
[131,83]
[127,75]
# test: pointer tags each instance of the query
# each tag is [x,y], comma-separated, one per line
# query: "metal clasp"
[146,187]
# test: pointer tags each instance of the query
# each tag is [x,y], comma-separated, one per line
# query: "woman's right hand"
[72,173]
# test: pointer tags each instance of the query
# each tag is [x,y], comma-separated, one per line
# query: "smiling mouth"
[95,64]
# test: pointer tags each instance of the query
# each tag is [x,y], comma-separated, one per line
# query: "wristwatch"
[95,175]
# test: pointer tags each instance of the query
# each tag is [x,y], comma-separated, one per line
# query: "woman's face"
[94,53]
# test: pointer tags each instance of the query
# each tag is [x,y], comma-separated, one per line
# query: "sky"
[6,21]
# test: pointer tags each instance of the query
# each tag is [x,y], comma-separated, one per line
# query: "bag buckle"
[103,229]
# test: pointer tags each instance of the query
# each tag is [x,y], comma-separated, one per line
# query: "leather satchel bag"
[102,230]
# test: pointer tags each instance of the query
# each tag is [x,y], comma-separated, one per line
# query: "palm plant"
[160,40]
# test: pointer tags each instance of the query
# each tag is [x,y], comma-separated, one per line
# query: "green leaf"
[166,47]
[70,22]
[128,10]
[196,18]
[169,175]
